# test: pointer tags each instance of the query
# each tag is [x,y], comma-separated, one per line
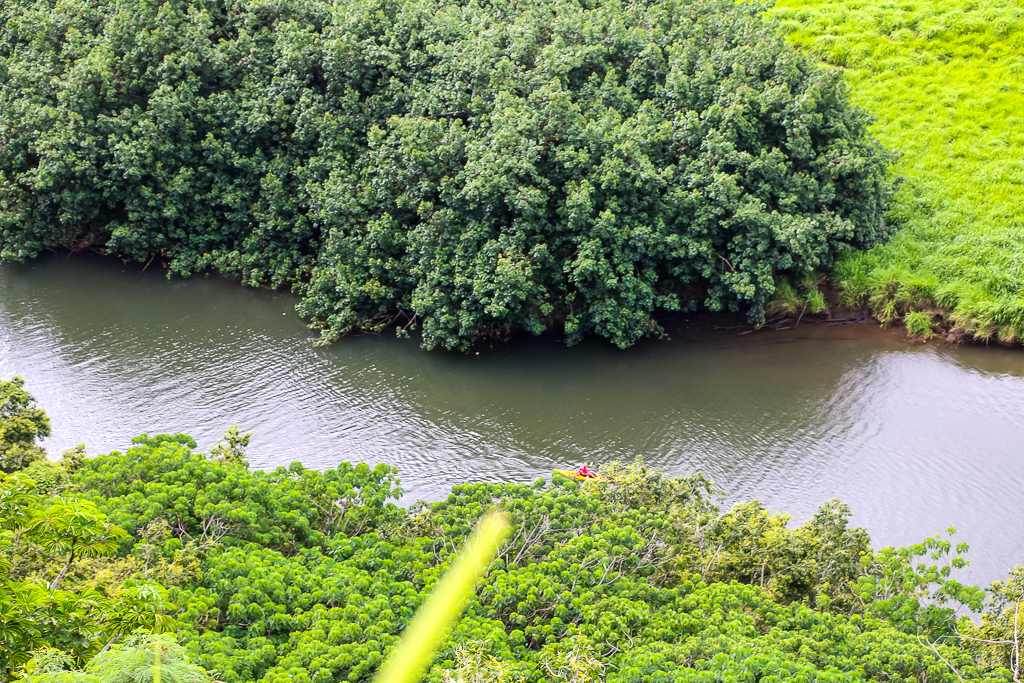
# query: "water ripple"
[913,438]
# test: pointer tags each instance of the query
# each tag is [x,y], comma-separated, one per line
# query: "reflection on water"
[914,438]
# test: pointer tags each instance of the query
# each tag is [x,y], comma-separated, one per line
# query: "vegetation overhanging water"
[302,575]
[915,438]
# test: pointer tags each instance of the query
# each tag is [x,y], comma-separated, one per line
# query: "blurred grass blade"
[435,618]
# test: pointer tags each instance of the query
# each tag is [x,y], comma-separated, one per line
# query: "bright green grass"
[945,80]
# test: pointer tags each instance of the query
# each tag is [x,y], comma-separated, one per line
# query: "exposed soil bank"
[923,321]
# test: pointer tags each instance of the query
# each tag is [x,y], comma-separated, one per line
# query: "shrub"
[919,324]
[470,169]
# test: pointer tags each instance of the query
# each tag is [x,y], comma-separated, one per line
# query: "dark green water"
[914,438]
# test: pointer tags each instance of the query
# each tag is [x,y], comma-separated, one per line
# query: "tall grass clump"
[804,297]
[919,324]
[945,81]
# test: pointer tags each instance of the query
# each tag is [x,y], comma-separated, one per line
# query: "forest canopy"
[468,169]
[301,576]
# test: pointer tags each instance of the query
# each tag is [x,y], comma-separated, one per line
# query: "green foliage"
[470,169]
[178,507]
[813,562]
[473,664]
[816,301]
[628,580]
[313,576]
[21,425]
[76,529]
[72,459]
[918,597]
[792,300]
[35,614]
[943,81]
[231,448]
[999,640]
[53,478]
[920,323]
[49,662]
[146,658]
[139,659]
[787,301]
[596,182]
[50,478]
[209,502]
[414,654]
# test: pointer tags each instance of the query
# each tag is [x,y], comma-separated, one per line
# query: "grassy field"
[945,80]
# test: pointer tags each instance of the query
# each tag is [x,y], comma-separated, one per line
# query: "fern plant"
[141,658]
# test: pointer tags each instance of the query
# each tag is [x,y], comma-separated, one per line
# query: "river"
[915,438]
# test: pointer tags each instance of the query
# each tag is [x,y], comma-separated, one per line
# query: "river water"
[915,438]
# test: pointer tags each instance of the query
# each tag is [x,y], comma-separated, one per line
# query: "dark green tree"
[467,169]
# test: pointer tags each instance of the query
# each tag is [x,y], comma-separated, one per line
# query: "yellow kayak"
[572,474]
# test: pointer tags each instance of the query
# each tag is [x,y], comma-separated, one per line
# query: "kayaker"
[585,471]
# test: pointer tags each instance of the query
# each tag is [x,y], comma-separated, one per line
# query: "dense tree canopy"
[471,168]
[303,576]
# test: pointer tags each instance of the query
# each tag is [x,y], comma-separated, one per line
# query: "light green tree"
[22,424]
[230,449]
[76,528]
[34,614]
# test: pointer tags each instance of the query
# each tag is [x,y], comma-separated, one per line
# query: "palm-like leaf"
[16,501]
[75,527]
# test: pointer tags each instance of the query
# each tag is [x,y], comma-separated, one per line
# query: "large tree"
[472,168]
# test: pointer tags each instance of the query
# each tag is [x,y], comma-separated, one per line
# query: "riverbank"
[597,180]
[915,437]
[304,576]
[922,324]
[944,82]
